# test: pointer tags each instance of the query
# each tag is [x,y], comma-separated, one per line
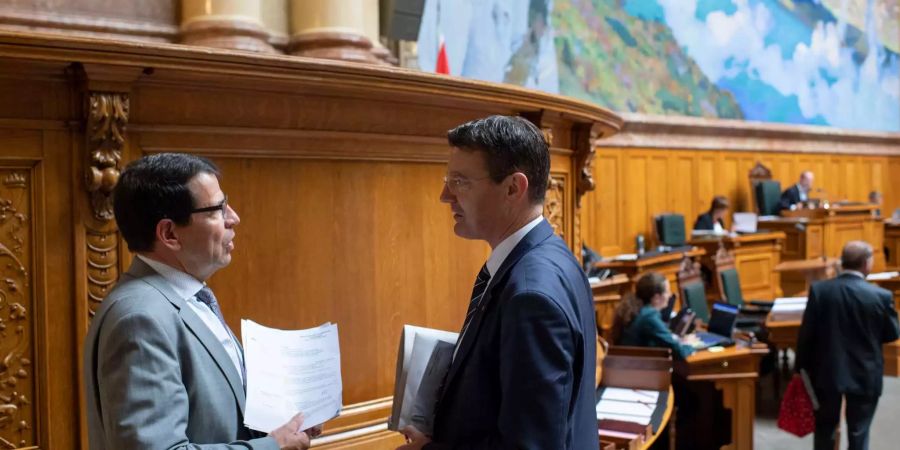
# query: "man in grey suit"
[162,369]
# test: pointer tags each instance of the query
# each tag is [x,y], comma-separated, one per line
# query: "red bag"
[797,415]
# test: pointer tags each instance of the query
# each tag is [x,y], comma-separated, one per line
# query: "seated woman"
[638,321]
[714,219]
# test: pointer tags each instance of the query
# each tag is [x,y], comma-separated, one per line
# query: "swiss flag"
[443,64]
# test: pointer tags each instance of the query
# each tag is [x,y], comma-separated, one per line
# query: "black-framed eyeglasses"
[222,206]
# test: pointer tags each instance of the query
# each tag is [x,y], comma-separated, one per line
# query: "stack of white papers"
[290,372]
[882,276]
[789,304]
[626,257]
[629,405]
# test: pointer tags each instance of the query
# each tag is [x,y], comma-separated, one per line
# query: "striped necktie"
[207,297]
[481,284]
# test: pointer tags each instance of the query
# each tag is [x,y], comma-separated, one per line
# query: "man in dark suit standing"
[522,375]
[798,192]
[844,326]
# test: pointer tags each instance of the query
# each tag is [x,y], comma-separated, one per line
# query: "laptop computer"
[745,222]
[666,312]
[720,328]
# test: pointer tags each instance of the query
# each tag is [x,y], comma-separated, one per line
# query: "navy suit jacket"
[790,196]
[846,321]
[523,376]
[705,222]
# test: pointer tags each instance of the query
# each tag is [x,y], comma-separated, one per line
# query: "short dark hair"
[512,144]
[855,255]
[154,188]
[719,202]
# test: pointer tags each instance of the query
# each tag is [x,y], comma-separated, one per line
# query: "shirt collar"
[854,273]
[185,285]
[499,254]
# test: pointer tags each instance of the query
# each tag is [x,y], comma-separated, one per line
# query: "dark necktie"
[481,284]
[207,297]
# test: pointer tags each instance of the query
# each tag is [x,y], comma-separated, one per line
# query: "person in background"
[714,219]
[797,193]
[638,321]
[876,199]
[845,324]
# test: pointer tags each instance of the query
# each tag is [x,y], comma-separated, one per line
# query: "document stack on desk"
[422,363]
[626,414]
[290,372]
[788,308]
[882,276]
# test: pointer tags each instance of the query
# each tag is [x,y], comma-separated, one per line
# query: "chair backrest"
[670,229]
[729,278]
[693,291]
[757,174]
[768,194]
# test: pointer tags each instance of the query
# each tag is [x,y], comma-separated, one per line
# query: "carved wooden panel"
[555,204]
[17,377]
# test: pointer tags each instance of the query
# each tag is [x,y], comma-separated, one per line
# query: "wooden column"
[332,29]
[231,24]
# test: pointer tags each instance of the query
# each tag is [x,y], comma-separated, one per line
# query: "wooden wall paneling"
[602,207]
[658,185]
[892,186]
[705,182]
[681,187]
[635,201]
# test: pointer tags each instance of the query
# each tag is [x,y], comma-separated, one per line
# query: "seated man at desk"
[714,219]
[638,321]
[797,193]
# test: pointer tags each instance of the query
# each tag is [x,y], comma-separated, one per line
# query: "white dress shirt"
[186,287]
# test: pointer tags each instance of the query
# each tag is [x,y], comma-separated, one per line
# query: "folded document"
[423,360]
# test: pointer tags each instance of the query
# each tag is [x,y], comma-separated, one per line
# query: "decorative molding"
[68,22]
[692,133]
[14,180]
[586,144]
[227,34]
[17,378]
[555,204]
[102,266]
[106,120]
[338,45]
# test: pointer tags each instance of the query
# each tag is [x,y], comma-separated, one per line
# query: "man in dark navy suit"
[522,375]
[798,192]
[846,322]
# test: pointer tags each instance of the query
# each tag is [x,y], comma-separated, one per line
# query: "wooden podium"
[813,233]
[892,244]
[755,257]
[720,390]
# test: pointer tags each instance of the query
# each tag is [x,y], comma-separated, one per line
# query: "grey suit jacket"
[156,377]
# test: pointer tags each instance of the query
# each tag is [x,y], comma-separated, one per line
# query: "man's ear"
[518,186]
[167,234]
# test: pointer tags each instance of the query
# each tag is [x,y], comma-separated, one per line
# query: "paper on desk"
[642,410]
[624,418]
[290,372]
[882,276]
[630,395]
[626,257]
[788,304]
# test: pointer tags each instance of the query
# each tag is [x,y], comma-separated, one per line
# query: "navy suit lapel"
[538,234]
[197,327]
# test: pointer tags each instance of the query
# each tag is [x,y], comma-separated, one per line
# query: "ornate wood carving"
[17,378]
[102,266]
[584,142]
[555,204]
[107,117]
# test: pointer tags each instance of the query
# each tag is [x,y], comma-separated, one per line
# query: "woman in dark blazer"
[638,321]
[715,215]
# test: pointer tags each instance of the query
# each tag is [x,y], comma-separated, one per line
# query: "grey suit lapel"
[196,325]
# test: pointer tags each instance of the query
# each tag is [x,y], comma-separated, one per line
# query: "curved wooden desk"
[667,416]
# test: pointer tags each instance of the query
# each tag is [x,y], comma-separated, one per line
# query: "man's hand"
[416,440]
[289,436]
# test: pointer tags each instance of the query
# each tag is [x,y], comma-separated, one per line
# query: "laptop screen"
[745,222]
[722,319]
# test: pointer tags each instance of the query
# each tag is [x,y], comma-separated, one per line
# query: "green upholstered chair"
[768,195]
[753,312]
[670,230]
[693,291]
